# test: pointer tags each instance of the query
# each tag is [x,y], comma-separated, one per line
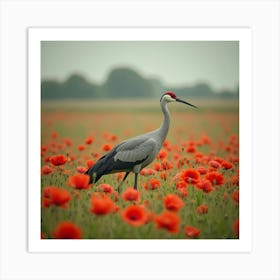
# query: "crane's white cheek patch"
[169,98]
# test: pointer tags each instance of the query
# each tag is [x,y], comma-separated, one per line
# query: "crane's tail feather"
[107,165]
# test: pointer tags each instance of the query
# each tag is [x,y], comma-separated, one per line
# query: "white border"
[243,35]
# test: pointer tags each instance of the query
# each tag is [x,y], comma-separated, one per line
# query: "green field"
[205,139]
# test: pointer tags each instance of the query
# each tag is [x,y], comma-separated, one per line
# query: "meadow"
[190,191]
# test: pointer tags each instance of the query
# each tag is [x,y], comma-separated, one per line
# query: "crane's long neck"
[163,130]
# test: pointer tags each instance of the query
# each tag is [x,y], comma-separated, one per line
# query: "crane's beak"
[185,102]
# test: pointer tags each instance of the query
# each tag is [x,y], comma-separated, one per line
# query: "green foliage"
[75,87]
[124,83]
[127,83]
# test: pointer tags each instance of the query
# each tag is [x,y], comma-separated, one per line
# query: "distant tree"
[125,82]
[226,93]
[76,86]
[51,90]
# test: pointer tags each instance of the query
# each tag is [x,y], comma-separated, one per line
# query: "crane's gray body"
[135,153]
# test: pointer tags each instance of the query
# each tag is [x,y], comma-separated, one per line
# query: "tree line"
[124,83]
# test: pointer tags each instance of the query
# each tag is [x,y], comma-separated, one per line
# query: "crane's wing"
[123,157]
[135,150]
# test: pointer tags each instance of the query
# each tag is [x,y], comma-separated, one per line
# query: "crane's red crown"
[172,94]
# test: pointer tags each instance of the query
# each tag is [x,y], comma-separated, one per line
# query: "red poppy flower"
[181,184]
[157,166]
[168,221]
[202,209]
[89,140]
[173,202]
[219,159]
[180,163]
[215,178]
[147,172]
[113,137]
[190,143]
[101,205]
[119,176]
[150,171]
[106,188]
[54,135]
[214,164]
[236,227]
[55,196]
[81,169]
[135,215]
[46,170]
[190,176]
[96,155]
[166,165]
[152,184]
[198,155]
[202,170]
[235,160]
[44,149]
[235,196]
[79,181]
[192,231]
[163,176]
[191,149]
[58,160]
[205,185]
[130,194]
[46,202]
[162,154]
[167,145]
[227,165]
[106,147]
[81,147]
[228,148]
[235,180]
[89,163]
[67,230]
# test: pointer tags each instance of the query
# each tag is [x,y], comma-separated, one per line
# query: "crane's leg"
[125,176]
[135,181]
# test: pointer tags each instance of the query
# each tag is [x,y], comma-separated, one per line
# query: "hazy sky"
[175,63]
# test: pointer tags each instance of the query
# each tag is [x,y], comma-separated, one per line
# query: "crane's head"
[171,97]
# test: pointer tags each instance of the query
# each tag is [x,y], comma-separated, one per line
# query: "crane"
[135,153]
